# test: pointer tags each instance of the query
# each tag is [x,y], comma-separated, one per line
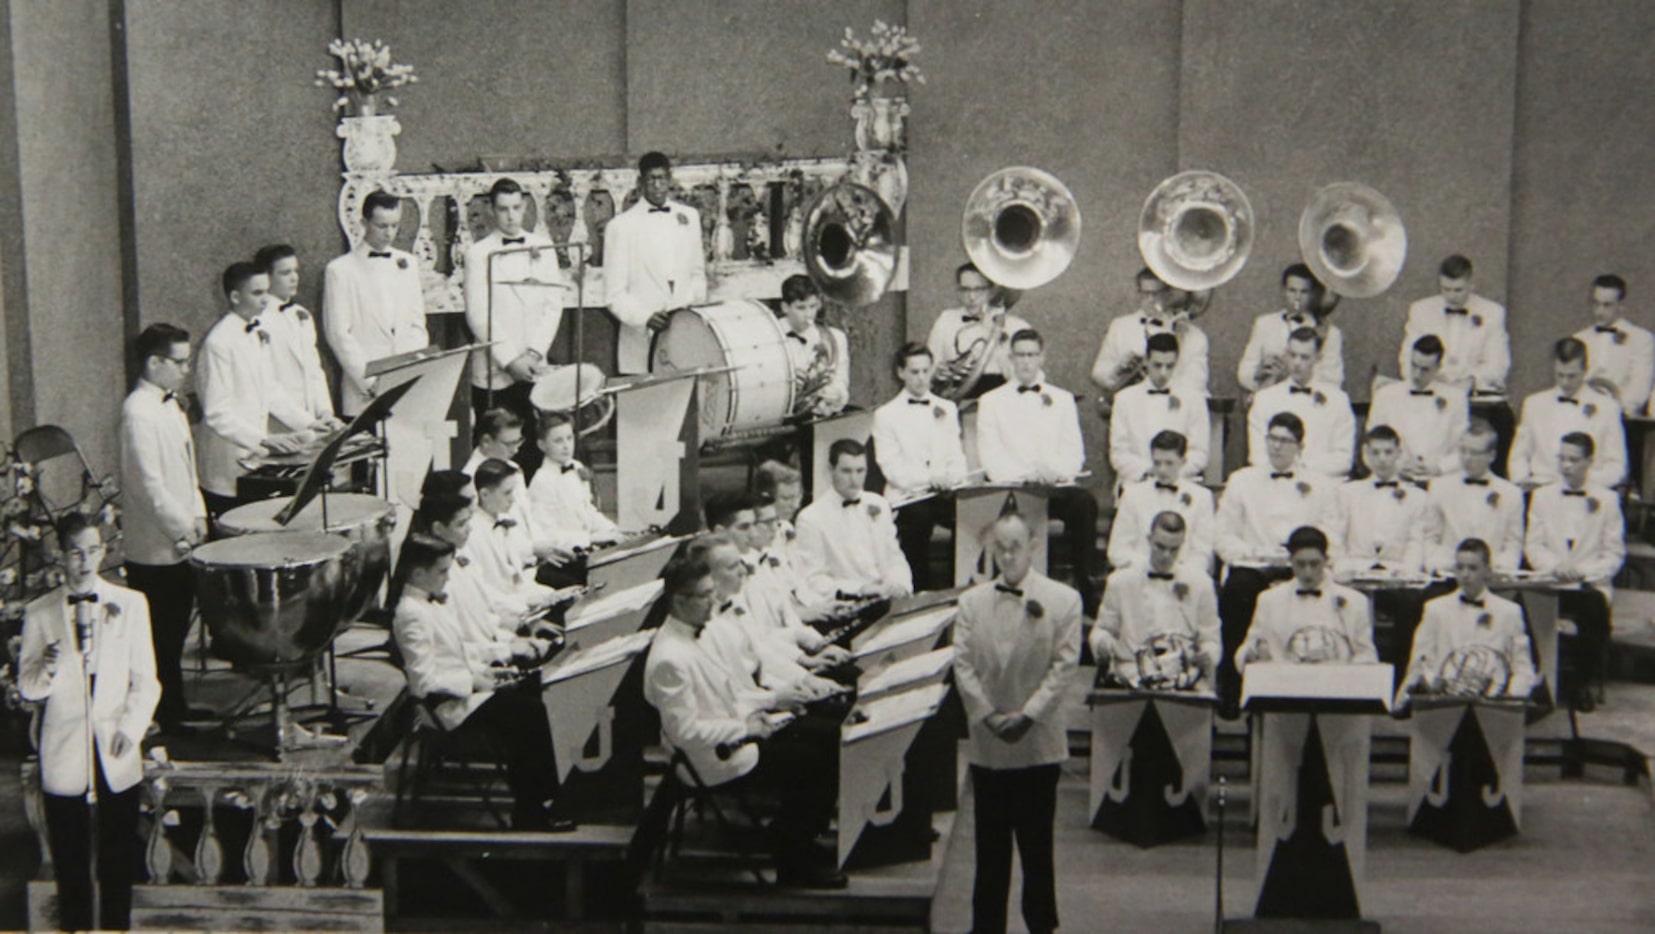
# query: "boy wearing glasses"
[981,325]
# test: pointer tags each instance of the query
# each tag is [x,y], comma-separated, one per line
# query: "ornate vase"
[370,142]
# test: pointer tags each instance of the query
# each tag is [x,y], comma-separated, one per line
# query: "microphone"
[83,629]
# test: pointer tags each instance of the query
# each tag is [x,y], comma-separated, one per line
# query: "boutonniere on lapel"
[1180,591]
[683,219]
[1186,499]
[938,413]
[773,561]
[111,612]
[402,262]
[1476,321]
[1589,410]
[791,534]
[1046,400]
[1302,487]
[301,314]
[1485,620]
[1339,603]
[1033,608]
[1592,505]
[1399,494]
[1619,338]
[1442,404]
[1494,500]
[1173,404]
[873,511]
[584,473]
[264,337]
[1319,398]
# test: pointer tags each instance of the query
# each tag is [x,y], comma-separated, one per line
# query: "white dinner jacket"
[372,308]
[652,261]
[296,360]
[525,317]
[163,493]
[239,397]
[702,703]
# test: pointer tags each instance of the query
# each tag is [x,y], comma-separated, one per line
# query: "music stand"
[976,508]
[658,450]
[1465,769]
[876,767]
[1151,755]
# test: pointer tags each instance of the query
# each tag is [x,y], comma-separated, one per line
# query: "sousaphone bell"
[850,244]
[1021,227]
[1352,238]
[1196,230]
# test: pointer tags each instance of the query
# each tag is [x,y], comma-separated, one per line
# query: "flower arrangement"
[366,72]
[886,55]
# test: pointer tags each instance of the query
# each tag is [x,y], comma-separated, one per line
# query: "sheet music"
[575,662]
[622,552]
[918,668]
[908,630]
[894,710]
[611,604]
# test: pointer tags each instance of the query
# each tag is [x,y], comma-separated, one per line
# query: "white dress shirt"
[702,703]
[162,501]
[373,307]
[653,260]
[525,317]
[915,440]
[123,699]
[1015,653]
[954,334]
[503,554]
[1259,510]
[438,658]
[1580,529]
[239,397]
[1452,624]
[297,360]
[1023,431]
[1430,421]
[1381,523]
[1128,336]
[1623,354]
[1137,607]
[1547,417]
[1475,343]
[1489,508]
[851,546]
[1329,425]
[1269,339]
[1140,412]
[1136,511]
[821,358]
[561,509]
[1285,609]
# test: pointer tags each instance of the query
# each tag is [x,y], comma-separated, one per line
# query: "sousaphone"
[1196,230]
[1352,238]
[850,244]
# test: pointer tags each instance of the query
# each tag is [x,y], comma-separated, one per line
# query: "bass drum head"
[741,334]
[274,600]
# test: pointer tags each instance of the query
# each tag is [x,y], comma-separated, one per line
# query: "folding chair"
[685,790]
[453,752]
[54,492]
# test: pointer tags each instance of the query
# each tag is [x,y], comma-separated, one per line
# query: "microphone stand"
[92,841]
[581,248]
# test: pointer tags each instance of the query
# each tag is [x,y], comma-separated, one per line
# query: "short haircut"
[267,257]
[1168,521]
[1306,334]
[549,420]
[1029,334]
[1010,516]
[1475,546]
[420,552]
[684,572]
[380,200]
[1307,536]
[702,545]
[495,422]
[1163,342]
[1299,271]
[1611,281]
[1482,430]
[441,506]
[505,186]
[237,275]
[773,475]
[1455,267]
[1382,433]
[157,339]
[1289,421]
[1582,440]
[910,350]
[722,507]
[445,481]
[1430,345]
[963,268]
[1168,440]
[72,524]
[654,159]
[1569,349]
[797,288]
[492,472]
[845,447]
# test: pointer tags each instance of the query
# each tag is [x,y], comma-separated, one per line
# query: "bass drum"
[741,334]
[274,600]
[365,522]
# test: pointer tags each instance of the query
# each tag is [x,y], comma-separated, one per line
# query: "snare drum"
[746,335]
[274,599]
[366,522]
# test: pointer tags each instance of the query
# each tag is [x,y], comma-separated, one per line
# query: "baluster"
[307,853]
[724,243]
[209,853]
[354,860]
[255,859]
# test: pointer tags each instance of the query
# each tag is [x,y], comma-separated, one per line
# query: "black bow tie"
[1169,487]
[1574,492]
[1007,588]
[1382,484]
[1294,319]
[1159,576]
[570,467]
[1293,390]
[1160,392]
[252,326]
[1456,311]
[171,397]
[1282,475]
[726,606]
[76,598]
[1607,329]
[853,502]
[505,523]
[1470,482]
[1568,400]
[437,598]
[288,304]
[913,401]
[795,335]
[379,254]
[1421,392]
[1309,593]
[511,241]
[1023,389]
[663,209]
[1478,603]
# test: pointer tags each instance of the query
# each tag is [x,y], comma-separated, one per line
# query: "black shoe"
[811,878]
[1584,702]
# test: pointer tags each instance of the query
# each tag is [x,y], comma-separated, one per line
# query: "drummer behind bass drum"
[654,262]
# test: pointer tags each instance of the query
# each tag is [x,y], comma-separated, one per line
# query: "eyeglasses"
[1280,439]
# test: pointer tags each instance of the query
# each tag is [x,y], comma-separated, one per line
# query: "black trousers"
[1078,510]
[1020,804]
[515,398]
[1236,602]
[516,720]
[1589,610]
[68,833]
[799,768]
[170,589]
[914,524]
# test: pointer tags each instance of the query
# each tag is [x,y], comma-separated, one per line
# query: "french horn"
[1353,240]
[850,244]
[1196,230]
[1021,227]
